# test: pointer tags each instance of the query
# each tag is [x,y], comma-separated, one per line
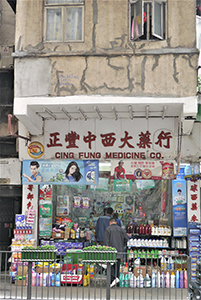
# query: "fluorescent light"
[130,111]
[98,112]
[66,113]
[82,113]
[147,112]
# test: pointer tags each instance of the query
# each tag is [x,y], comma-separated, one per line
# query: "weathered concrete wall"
[107,62]
[7,24]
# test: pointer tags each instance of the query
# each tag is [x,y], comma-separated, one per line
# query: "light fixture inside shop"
[130,109]
[82,113]
[50,113]
[147,112]
[164,111]
[66,113]
[98,112]
[115,113]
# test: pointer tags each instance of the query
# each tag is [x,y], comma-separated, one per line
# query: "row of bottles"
[146,229]
[45,279]
[161,243]
[159,280]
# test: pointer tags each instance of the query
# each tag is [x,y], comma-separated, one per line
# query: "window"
[148,20]
[64,20]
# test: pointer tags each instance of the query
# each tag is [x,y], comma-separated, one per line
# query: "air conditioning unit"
[6,59]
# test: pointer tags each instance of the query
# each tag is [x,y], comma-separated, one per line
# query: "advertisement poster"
[77,172]
[142,169]
[179,208]
[62,205]
[45,226]
[122,186]
[102,185]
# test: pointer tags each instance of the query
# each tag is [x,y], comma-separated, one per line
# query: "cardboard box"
[140,270]
[20,282]
[22,270]
[58,235]
[67,233]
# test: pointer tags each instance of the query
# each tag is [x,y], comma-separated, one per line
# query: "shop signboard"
[193,192]
[60,172]
[179,208]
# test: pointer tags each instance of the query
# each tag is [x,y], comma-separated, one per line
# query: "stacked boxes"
[194,239]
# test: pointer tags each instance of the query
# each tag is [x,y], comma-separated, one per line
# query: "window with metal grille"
[64,20]
[148,20]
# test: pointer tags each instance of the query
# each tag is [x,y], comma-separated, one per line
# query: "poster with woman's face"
[62,208]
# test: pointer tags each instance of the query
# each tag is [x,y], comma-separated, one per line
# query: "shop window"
[148,20]
[64,20]
[198,8]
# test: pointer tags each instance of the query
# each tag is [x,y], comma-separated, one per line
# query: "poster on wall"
[62,205]
[142,169]
[193,192]
[45,227]
[122,185]
[179,208]
[45,210]
[77,172]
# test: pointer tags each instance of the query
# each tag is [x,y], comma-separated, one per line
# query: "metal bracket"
[28,138]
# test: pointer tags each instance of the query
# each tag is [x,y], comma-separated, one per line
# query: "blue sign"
[64,172]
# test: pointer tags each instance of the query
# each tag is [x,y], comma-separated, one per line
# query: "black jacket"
[116,237]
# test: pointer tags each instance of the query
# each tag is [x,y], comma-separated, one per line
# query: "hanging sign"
[193,191]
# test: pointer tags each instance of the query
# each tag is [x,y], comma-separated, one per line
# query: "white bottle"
[44,279]
[158,280]
[153,279]
[172,280]
[167,280]
[141,281]
[147,281]
[133,281]
[162,279]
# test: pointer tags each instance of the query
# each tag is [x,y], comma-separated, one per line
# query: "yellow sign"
[35,150]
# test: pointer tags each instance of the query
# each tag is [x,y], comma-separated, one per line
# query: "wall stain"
[175,74]
[188,58]
[156,62]
[112,66]
[143,72]
[82,81]
[95,21]
[58,89]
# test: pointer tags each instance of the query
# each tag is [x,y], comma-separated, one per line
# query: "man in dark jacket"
[116,237]
[101,225]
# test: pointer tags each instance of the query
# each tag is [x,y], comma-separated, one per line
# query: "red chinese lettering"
[194,206]
[194,197]
[89,138]
[107,139]
[30,187]
[144,140]
[54,139]
[71,138]
[194,218]
[125,141]
[28,205]
[30,196]
[194,188]
[164,136]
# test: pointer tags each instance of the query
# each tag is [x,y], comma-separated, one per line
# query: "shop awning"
[32,111]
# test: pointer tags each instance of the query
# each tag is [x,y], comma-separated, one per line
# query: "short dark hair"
[115,215]
[110,211]
[112,220]
[34,163]
[179,190]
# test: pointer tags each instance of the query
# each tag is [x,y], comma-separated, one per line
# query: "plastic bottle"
[126,280]
[172,280]
[158,280]
[147,281]
[133,281]
[163,263]
[44,279]
[91,271]
[167,279]
[53,279]
[40,279]
[85,280]
[171,263]
[153,279]
[77,234]
[177,279]
[121,279]
[141,281]
[185,279]
[162,280]
[181,279]
[48,279]
[57,279]
[37,279]
[34,279]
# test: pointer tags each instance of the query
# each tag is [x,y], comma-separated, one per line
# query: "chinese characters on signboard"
[193,188]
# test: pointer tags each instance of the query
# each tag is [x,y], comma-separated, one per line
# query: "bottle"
[85,280]
[37,279]
[162,280]
[177,279]
[126,280]
[147,281]
[153,279]
[40,279]
[48,279]
[172,280]
[141,281]
[163,263]
[121,279]
[57,279]
[185,279]
[167,279]
[171,263]
[34,279]
[77,234]
[158,280]
[52,279]
[181,279]
[133,281]
[91,271]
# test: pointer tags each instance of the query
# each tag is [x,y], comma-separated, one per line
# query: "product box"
[46,270]
[22,270]
[20,282]
[151,269]
[140,270]
[58,235]
[67,233]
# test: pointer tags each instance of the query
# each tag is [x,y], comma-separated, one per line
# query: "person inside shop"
[119,171]
[35,174]
[72,172]
[101,225]
[116,237]
[116,216]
